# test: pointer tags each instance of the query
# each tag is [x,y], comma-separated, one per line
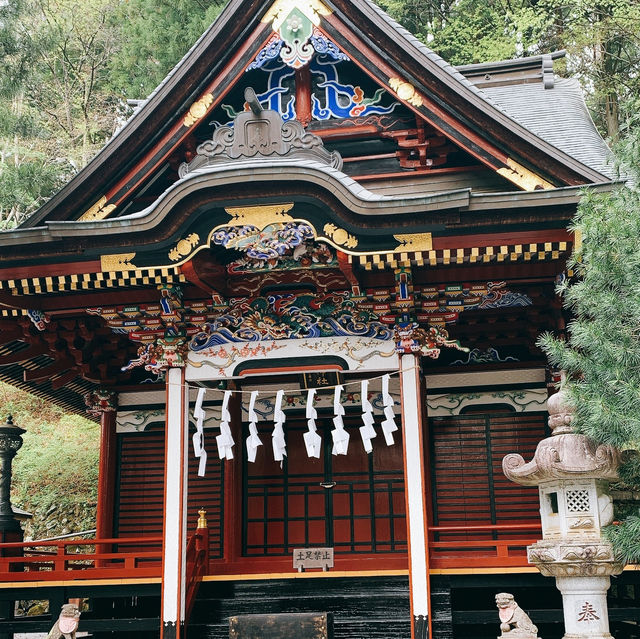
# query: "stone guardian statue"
[514,622]
[67,623]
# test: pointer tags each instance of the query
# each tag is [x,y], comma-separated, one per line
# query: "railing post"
[202,538]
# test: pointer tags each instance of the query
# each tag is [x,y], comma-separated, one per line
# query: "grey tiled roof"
[558,116]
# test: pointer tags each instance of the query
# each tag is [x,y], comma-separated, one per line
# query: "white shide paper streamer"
[389,423]
[198,436]
[312,440]
[277,438]
[253,440]
[225,440]
[367,432]
[339,434]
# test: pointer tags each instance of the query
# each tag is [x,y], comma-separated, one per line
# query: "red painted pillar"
[106,475]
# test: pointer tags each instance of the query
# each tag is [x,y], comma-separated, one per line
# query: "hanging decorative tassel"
[277,438]
[253,440]
[339,434]
[312,440]
[198,436]
[367,432]
[389,424]
[225,440]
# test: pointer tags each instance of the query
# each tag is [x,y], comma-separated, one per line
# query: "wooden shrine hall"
[301,290]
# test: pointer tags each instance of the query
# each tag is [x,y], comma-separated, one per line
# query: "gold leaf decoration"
[340,236]
[117,262]
[198,109]
[523,177]
[414,242]
[184,247]
[406,91]
[98,211]
[281,9]
[260,216]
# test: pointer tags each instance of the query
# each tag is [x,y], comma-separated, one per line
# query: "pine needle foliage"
[602,351]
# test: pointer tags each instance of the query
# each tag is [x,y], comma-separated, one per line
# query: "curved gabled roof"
[495,132]
[559,116]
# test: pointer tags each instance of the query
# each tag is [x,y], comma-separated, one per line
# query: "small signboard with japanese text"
[305,558]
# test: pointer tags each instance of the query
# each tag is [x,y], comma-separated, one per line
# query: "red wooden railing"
[505,551]
[197,562]
[81,559]
[127,557]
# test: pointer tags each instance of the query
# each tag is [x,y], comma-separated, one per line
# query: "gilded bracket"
[414,242]
[340,236]
[523,177]
[406,91]
[184,247]
[117,262]
[260,216]
[99,211]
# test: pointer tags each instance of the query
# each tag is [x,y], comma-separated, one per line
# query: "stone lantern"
[572,474]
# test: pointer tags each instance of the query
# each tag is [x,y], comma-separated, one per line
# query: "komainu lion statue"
[67,623]
[514,622]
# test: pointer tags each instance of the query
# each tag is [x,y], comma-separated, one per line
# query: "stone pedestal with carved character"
[572,474]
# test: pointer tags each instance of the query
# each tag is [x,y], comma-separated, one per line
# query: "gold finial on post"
[202,520]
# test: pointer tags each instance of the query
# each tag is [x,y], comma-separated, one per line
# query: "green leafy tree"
[602,351]
[602,40]
[154,36]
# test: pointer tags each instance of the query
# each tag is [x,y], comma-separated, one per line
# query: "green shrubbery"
[55,473]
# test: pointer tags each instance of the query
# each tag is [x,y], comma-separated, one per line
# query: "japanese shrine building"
[311,201]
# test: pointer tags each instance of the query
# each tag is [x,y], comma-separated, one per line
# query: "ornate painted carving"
[264,136]
[269,243]
[406,91]
[158,356]
[522,401]
[281,9]
[331,98]
[99,211]
[184,247]
[287,316]
[38,319]
[410,338]
[198,109]
[335,99]
[308,255]
[340,236]
[479,356]
[101,400]
[294,21]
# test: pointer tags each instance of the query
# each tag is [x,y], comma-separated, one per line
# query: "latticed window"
[578,501]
